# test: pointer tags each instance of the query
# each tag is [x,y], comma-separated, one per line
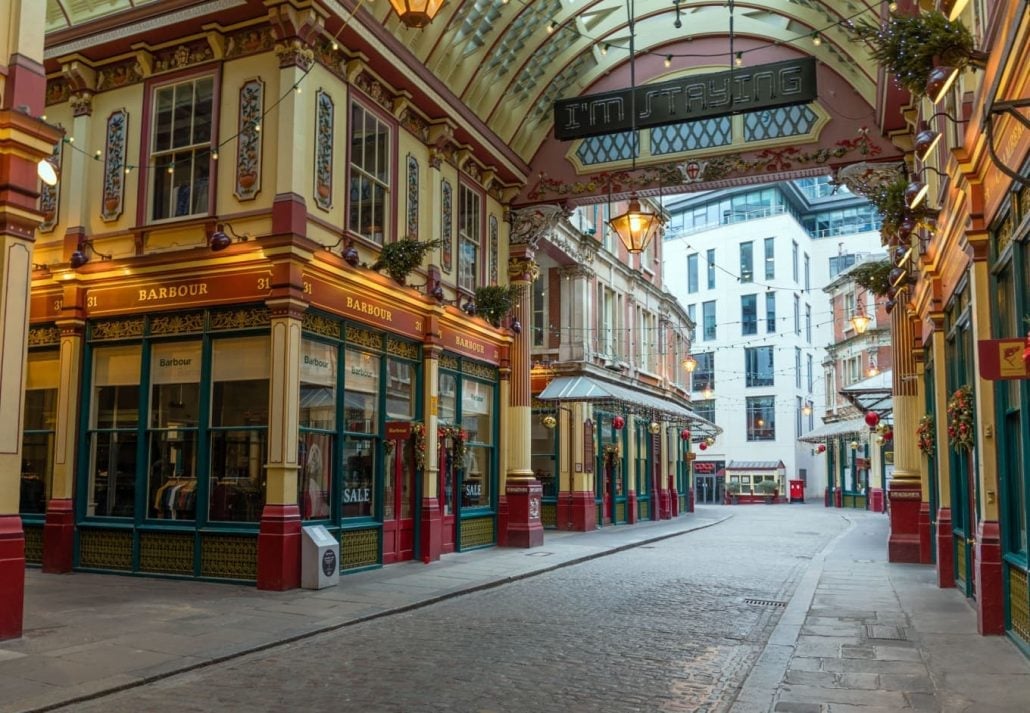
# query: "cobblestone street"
[666,626]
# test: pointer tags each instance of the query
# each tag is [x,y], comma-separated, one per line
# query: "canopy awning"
[837,428]
[872,394]
[590,390]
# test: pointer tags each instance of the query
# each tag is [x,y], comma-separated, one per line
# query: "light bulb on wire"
[738,59]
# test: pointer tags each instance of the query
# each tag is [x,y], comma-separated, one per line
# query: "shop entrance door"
[398,498]
[449,500]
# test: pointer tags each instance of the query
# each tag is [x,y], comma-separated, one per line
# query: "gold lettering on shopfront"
[172,292]
[470,345]
[372,310]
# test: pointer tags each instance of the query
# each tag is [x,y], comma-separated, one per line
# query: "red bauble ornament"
[703,446]
[618,422]
[685,434]
[821,448]
[871,419]
[888,435]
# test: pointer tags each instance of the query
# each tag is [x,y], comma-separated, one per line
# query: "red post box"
[797,491]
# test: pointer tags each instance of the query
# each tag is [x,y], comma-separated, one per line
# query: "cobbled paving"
[661,628]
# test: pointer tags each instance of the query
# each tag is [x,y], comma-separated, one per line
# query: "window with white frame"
[470,211]
[692,273]
[369,187]
[770,258]
[761,418]
[539,312]
[852,370]
[180,148]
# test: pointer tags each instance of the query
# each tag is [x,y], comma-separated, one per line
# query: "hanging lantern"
[685,434]
[416,13]
[636,227]
[689,363]
[703,446]
[618,422]
[871,419]
[654,427]
[549,421]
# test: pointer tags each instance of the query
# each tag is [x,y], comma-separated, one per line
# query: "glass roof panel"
[62,14]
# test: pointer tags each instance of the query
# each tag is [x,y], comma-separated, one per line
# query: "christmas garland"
[961,426]
[459,439]
[925,437]
[611,454]
[418,433]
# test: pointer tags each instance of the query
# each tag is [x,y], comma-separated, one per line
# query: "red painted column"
[945,549]
[674,497]
[632,507]
[925,543]
[876,499]
[990,590]
[58,536]
[12,576]
[903,541]
[25,141]
[279,548]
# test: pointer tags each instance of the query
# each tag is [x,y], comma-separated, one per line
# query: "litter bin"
[319,558]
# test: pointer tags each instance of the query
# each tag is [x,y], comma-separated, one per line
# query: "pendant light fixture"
[416,13]
[636,227]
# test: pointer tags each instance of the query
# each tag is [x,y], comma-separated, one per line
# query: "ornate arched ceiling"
[494,68]
[510,61]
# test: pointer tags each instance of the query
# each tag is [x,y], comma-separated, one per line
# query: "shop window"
[448,402]
[37,443]
[361,421]
[400,390]
[544,449]
[369,187]
[180,150]
[470,211]
[114,419]
[172,435]
[318,374]
[477,416]
[239,428]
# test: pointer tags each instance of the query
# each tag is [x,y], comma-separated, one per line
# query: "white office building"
[750,265]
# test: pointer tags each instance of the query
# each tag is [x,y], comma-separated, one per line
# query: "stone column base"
[502,521]
[523,527]
[632,508]
[674,498]
[12,576]
[279,548]
[875,499]
[58,536]
[990,589]
[903,540]
[577,511]
[431,535]
[838,498]
[664,505]
[945,550]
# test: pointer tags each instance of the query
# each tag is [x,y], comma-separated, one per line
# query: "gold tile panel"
[187,323]
[549,514]
[401,348]
[477,532]
[449,361]
[228,556]
[44,336]
[358,548]
[1019,603]
[644,511]
[105,549]
[118,328]
[364,338]
[166,552]
[241,318]
[483,371]
[620,512]
[33,543]
[321,324]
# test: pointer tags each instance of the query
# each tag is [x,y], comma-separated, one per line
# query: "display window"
[477,418]
[448,405]
[545,453]
[113,432]
[358,486]
[239,428]
[172,435]
[37,444]
[318,378]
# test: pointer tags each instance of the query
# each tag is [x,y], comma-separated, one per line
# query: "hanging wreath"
[611,454]
[961,431]
[418,434]
[459,438]
[925,436]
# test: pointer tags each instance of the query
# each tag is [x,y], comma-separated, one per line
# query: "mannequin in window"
[316,503]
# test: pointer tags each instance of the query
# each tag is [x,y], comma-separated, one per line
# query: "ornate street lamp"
[636,227]
[689,363]
[860,321]
[416,13]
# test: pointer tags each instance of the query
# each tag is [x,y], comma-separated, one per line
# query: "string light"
[816,39]
[668,61]
[739,59]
